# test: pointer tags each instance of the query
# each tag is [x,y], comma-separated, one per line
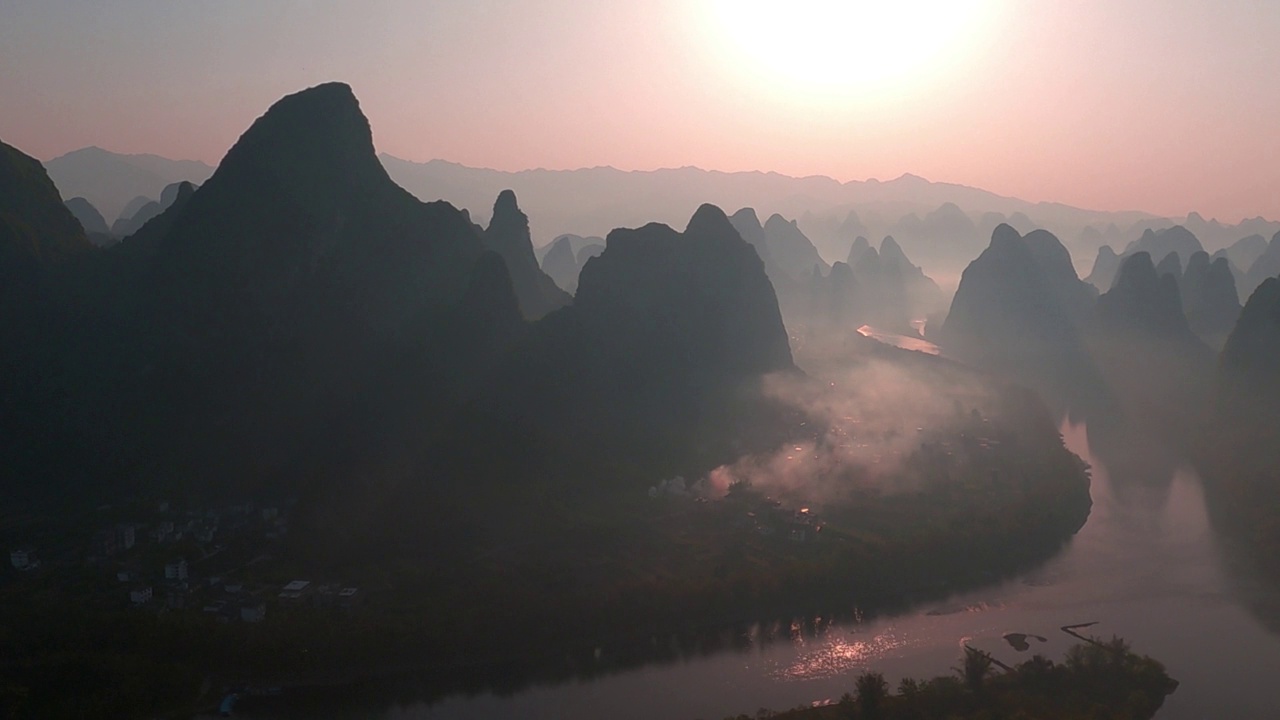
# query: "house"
[214,607]
[295,590]
[24,559]
[176,570]
[349,597]
[140,595]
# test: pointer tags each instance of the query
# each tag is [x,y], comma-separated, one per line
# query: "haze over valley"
[337,421]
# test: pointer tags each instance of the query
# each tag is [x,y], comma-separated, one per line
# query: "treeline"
[1095,681]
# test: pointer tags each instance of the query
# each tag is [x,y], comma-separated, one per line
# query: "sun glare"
[843,49]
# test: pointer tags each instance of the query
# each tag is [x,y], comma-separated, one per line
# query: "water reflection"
[906,342]
[837,656]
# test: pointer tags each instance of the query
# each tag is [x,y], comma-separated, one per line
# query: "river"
[1146,566]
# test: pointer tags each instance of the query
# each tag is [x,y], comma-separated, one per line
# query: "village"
[149,557]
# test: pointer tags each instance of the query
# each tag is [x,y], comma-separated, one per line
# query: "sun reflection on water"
[838,656]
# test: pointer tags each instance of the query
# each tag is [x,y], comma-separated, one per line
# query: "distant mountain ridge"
[941,225]
[950,225]
[110,181]
[669,191]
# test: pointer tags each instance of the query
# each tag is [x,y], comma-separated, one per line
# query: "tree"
[909,687]
[872,691]
[975,669]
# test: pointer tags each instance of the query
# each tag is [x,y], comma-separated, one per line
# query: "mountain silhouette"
[1243,253]
[1140,338]
[1142,301]
[1209,298]
[588,251]
[36,228]
[1105,267]
[1247,371]
[1006,318]
[860,246]
[790,249]
[891,291]
[585,201]
[852,226]
[1158,244]
[561,264]
[1266,266]
[300,205]
[839,303]
[126,226]
[1171,265]
[42,246]
[133,206]
[90,219]
[282,326]
[831,233]
[665,328]
[141,210]
[1075,296]
[508,235]
[952,234]
[300,288]
[111,180]
[747,223]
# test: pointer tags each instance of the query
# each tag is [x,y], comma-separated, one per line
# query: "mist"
[567,368]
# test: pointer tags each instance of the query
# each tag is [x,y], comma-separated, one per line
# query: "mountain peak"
[329,106]
[311,142]
[1138,268]
[708,219]
[506,203]
[909,179]
[508,236]
[35,225]
[1144,301]
[507,214]
[748,215]
[1004,235]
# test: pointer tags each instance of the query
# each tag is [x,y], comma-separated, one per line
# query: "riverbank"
[1095,681]
[512,583]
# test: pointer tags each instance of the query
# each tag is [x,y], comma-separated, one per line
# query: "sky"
[1165,106]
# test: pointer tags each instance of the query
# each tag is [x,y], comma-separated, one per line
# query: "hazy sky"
[1159,105]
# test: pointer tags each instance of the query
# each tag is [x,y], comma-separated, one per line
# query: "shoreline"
[574,659]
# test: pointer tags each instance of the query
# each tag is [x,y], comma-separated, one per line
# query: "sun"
[845,48]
